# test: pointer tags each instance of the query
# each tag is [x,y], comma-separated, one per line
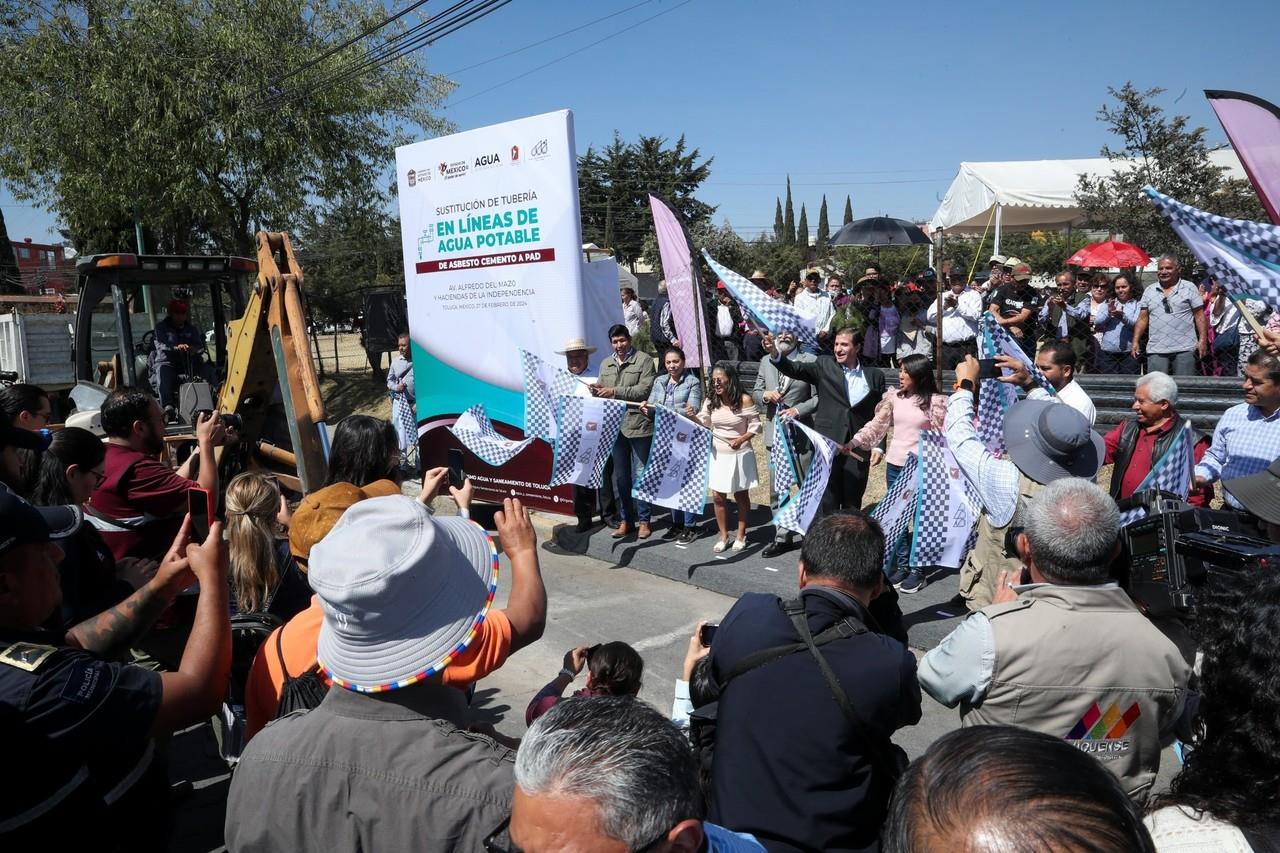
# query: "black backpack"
[298,693]
[248,632]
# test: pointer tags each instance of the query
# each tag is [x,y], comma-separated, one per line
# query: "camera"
[229,420]
[1176,548]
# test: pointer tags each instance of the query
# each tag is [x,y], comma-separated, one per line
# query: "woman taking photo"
[264,577]
[681,391]
[733,419]
[916,406]
[613,669]
[69,470]
[1115,319]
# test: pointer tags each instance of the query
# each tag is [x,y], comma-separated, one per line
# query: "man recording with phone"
[139,503]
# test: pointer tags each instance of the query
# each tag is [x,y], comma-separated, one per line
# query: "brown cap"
[1021,272]
[319,512]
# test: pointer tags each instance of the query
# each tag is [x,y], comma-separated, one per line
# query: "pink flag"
[683,289]
[1253,126]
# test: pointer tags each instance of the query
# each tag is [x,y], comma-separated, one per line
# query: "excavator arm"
[270,372]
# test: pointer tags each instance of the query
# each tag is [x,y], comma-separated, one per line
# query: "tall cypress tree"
[824,229]
[777,221]
[802,232]
[10,278]
[789,219]
[848,211]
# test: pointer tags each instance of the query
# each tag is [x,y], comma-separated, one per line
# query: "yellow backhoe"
[258,351]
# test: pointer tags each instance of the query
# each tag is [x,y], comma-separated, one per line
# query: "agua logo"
[485,161]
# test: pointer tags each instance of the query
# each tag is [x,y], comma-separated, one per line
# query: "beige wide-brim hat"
[575,345]
[404,592]
[759,276]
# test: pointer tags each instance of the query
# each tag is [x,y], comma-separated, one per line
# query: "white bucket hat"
[403,592]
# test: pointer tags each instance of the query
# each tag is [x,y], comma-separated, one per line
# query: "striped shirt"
[1245,442]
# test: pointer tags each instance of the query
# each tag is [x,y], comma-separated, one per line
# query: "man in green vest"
[1062,649]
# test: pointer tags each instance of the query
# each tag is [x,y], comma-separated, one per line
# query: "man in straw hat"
[576,360]
[1045,441]
[386,762]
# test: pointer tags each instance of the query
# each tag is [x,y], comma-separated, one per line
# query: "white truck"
[38,345]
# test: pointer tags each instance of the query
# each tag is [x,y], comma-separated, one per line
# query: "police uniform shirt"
[79,749]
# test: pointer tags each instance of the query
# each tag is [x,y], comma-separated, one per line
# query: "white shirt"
[724,321]
[1077,398]
[855,383]
[814,306]
[960,321]
[632,314]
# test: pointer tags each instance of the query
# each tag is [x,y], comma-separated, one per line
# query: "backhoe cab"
[240,347]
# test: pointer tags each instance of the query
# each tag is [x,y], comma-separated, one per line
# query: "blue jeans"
[683,519]
[629,455]
[901,548]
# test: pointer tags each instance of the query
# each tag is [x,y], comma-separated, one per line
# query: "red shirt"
[139,489]
[1140,462]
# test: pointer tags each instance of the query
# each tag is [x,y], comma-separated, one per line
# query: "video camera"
[1176,547]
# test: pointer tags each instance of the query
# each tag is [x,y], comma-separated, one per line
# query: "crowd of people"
[337,636]
[1113,323]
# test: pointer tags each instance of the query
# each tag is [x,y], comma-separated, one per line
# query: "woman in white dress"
[734,420]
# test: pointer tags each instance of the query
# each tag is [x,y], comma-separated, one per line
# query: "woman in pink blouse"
[733,419]
[915,406]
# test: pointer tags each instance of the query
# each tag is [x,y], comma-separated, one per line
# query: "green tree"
[616,181]
[802,232]
[10,278]
[789,218]
[780,261]
[203,119]
[777,219]
[824,229]
[1166,153]
[848,211]
[346,248]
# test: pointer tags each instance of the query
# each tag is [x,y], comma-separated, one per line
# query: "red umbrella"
[1110,253]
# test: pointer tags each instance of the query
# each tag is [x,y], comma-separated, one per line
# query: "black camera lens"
[232,421]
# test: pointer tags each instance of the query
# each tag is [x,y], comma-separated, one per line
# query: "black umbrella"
[880,231]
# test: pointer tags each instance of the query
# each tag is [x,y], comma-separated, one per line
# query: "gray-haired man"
[1173,314]
[609,774]
[1062,649]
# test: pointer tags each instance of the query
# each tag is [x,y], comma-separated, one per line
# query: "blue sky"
[880,103]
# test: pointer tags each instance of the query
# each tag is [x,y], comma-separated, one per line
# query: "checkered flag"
[477,434]
[797,512]
[679,466]
[782,458]
[1243,256]
[543,383]
[402,409]
[947,506]
[588,428]
[768,312]
[994,397]
[1000,342]
[1173,472]
[897,508]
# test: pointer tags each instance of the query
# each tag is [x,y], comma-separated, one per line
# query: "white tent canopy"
[1029,195]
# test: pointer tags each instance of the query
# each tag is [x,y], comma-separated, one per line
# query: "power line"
[548,39]
[367,32]
[430,30]
[569,54]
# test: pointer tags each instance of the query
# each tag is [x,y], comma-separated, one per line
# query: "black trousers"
[953,354]
[847,484]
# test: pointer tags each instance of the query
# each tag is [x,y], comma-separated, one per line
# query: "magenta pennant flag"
[1253,126]
[682,283]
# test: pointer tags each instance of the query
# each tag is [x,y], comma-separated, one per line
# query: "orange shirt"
[488,651]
